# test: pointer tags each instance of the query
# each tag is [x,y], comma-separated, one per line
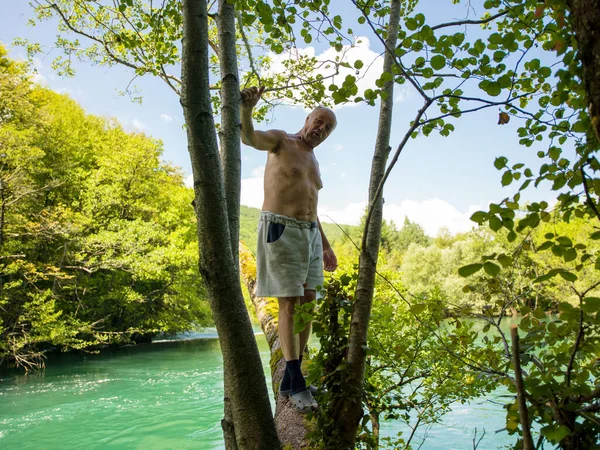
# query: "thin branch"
[520,387]
[247,45]
[401,146]
[470,22]
[577,343]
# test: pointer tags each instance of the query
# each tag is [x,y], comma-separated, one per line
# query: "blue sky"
[438,182]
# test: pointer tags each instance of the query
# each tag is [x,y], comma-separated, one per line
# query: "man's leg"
[309,296]
[293,380]
[290,345]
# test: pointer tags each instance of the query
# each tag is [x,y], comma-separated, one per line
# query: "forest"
[102,244]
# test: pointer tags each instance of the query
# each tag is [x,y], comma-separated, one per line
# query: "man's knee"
[287,305]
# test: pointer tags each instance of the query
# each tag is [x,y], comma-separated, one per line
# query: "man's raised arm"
[260,140]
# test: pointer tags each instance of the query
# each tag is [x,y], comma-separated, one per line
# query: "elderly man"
[292,247]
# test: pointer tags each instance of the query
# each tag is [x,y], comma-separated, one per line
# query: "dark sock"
[297,383]
[286,380]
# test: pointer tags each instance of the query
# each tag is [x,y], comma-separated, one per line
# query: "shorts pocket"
[274,232]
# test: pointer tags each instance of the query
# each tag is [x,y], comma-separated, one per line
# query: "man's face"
[319,125]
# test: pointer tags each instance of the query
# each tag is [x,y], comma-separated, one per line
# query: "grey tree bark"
[347,412]
[229,138]
[248,395]
[229,133]
[585,17]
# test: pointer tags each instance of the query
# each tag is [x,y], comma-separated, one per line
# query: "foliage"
[412,377]
[524,61]
[97,236]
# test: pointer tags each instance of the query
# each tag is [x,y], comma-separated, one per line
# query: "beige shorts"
[289,256]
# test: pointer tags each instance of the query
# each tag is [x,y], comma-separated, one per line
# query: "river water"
[166,396]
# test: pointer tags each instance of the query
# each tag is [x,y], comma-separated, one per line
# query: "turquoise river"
[167,395]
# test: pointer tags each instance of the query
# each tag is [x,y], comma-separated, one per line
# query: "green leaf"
[570,255]
[386,76]
[418,308]
[568,276]
[564,241]
[507,178]
[470,269]
[500,162]
[491,268]
[358,64]
[411,24]
[345,280]
[479,217]
[493,88]
[438,62]
[495,223]
[555,433]
[591,304]
[505,260]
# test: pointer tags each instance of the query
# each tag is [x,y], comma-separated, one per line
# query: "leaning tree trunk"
[229,137]
[586,25]
[250,407]
[291,425]
[347,410]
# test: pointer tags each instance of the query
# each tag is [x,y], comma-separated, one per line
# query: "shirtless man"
[292,247]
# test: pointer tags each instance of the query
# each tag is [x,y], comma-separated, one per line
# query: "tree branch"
[470,22]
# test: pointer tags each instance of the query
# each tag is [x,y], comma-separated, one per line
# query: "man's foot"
[303,401]
[286,392]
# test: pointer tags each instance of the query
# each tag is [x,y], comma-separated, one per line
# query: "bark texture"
[520,387]
[585,18]
[347,411]
[248,396]
[229,138]
[291,425]
[229,133]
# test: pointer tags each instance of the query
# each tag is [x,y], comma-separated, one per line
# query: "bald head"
[319,124]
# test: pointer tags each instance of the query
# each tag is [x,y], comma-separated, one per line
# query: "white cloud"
[402,95]
[74,93]
[252,190]
[189,180]
[432,215]
[138,125]
[349,215]
[366,76]
[37,76]
[338,147]
[39,79]
[166,117]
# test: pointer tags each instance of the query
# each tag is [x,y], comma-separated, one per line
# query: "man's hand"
[329,259]
[251,96]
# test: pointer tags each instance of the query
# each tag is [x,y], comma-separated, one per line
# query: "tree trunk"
[229,133]
[229,138]
[347,412]
[586,25]
[250,407]
[291,426]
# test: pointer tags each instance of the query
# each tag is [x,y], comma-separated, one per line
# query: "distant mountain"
[249,224]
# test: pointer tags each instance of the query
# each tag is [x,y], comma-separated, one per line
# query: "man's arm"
[260,140]
[329,258]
